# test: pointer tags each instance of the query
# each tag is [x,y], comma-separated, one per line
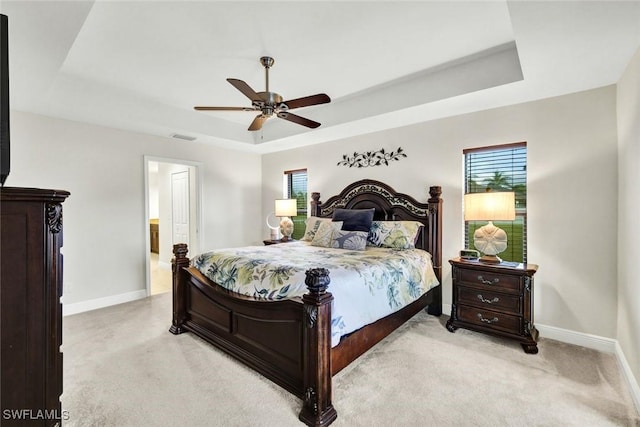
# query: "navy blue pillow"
[354,219]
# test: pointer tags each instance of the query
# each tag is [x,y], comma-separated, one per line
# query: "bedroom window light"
[296,188]
[500,168]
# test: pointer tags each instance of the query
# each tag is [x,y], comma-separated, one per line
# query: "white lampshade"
[490,206]
[286,207]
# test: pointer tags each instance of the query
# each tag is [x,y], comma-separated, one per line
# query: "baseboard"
[164,265]
[595,342]
[446,309]
[631,379]
[94,304]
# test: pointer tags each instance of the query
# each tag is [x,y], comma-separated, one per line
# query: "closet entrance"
[171,215]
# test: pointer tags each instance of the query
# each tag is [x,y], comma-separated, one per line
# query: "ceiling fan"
[270,103]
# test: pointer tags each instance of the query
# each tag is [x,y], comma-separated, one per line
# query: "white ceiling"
[143,65]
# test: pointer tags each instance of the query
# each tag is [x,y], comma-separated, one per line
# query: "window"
[500,168]
[296,188]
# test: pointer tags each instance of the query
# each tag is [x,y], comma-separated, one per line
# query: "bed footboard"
[288,341]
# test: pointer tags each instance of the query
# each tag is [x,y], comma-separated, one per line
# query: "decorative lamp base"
[490,259]
[286,228]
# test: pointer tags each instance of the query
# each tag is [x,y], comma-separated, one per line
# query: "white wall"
[104,218]
[628,208]
[572,192]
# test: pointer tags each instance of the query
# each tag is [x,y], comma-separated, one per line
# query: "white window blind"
[500,168]
[297,189]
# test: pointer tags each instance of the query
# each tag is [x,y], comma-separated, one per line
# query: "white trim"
[94,304]
[595,342]
[446,309]
[164,265]
[628,374]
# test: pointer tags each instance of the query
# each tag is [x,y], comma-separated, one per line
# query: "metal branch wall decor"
[371,158]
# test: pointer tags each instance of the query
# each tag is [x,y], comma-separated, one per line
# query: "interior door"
[180,206]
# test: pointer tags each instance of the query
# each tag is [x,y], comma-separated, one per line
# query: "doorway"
[172,215]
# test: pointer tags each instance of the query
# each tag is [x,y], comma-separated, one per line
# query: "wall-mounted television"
[4,99]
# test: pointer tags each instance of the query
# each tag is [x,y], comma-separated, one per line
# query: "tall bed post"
[178,263]
[435,245]
[317,409]
[315,202]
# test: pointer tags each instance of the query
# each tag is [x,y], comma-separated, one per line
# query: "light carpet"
[123,368]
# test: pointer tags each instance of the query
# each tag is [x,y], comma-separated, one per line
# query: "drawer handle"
[488,282]
[481,298]
[482,319]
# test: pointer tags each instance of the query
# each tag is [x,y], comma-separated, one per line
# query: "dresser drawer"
[502,282]
[490,300]
[492,319]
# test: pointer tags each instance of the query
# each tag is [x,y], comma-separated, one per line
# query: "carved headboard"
[391,206]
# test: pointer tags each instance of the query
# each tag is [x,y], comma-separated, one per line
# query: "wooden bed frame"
[289,341]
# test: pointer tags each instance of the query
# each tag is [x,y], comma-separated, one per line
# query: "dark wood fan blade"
[257,123]
[224,108]
[320,98]
[299,120]
[245,89]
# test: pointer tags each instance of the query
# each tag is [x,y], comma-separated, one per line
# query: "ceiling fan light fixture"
[270,103]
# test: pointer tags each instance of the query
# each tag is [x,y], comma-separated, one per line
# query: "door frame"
[199,229]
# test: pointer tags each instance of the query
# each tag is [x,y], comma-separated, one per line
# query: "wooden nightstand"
[494,298]
[273,242]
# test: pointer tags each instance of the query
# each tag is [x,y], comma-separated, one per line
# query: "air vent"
[185,137]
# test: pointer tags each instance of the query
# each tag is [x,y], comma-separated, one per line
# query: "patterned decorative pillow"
[313,223]
[352,240]
[324,233]
[378,231]
[354,219]
[402,234]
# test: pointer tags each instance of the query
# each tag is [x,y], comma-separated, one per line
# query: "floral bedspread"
[366,285]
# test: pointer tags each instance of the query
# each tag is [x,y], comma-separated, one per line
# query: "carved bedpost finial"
[180,250]
[435,192]
[315,202]
[317,280]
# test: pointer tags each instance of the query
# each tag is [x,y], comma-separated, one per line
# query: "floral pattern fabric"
[394,234]
[366,285]
[352,240]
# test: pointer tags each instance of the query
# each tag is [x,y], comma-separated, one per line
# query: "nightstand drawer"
[491,319]
[490,300]
[503,282]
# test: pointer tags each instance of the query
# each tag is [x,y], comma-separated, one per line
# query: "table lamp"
[490,206]
[286,208]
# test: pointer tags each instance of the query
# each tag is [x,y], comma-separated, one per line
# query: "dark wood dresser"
[30,307]
[494,298]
